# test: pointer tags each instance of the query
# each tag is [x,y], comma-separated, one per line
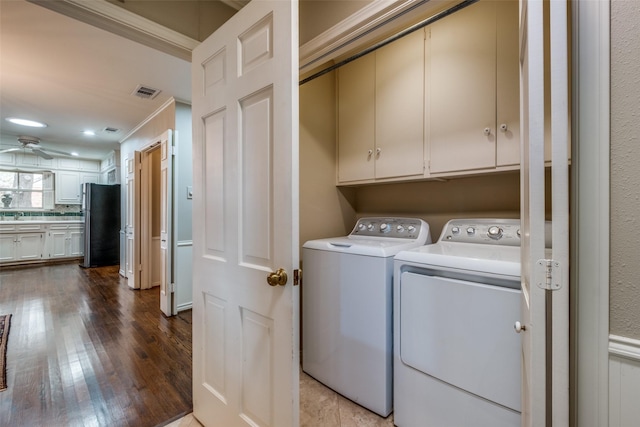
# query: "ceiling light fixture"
[25,122]
[89,133]
[73,153]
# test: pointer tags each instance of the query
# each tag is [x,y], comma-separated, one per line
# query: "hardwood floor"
[85,350]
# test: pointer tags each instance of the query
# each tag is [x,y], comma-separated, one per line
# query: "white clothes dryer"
[347,318]
[456,354]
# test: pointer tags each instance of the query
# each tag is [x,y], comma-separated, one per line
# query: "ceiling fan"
[33,143]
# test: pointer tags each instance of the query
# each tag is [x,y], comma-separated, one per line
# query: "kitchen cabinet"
[381,113]
[473,89]
[7,247]
[68,189]
[21,243]
[28,241]
[65,241]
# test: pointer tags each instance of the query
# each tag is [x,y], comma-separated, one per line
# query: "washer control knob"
[411,229]
[370,227]
[361,227]
[384,227]
[455,230]
[495,232]
[400,229]
[471,231]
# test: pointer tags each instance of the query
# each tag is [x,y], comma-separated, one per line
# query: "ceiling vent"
[145,92]
[111,130]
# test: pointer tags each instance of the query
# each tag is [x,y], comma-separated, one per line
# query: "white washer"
[347,318]
[456,354]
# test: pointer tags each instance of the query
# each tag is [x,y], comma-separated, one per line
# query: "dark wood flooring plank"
[84,349]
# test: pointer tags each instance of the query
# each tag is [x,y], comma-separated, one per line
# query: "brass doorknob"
[279,278]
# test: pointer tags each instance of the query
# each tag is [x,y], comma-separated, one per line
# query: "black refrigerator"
[101,205]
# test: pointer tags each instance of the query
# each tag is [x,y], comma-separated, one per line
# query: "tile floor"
[320,407]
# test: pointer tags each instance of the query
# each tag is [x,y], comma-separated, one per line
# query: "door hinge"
[297,277]
[548,274]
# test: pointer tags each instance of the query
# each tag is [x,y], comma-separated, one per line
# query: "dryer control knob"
[455,230]
[495,232]
[384,227]
[370,227]
[361,227]
[471,231]
[400,229]
[411,229]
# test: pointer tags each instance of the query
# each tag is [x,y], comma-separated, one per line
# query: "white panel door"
[132,228]
[545,302]
[245,222]
[167,300]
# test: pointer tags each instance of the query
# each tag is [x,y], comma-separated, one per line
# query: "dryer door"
[462,333]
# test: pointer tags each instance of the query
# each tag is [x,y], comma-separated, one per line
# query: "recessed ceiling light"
[25,122]
[89,133]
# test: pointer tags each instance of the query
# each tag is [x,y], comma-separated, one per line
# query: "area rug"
[5,322]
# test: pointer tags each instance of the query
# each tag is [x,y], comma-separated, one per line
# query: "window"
[26,190]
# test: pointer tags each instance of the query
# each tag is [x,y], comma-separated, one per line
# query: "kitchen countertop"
[41,221]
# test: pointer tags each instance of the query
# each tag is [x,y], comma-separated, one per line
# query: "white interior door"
[245,222]
[167,300]
[545,292]
[133,220]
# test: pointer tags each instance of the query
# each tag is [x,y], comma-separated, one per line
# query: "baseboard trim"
[186,306]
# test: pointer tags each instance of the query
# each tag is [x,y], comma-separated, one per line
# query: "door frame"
[146,209]
[589,283]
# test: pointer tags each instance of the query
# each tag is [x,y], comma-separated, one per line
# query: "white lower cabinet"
[16,247]
[65,241]
[29,246]
[7,247]
[40,241]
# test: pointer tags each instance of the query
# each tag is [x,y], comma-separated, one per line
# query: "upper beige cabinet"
[381,113]
[473,88]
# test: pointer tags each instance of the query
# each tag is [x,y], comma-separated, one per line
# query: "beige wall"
[194,18]
[318,16]
[625,169]
[485,196]
[325,210]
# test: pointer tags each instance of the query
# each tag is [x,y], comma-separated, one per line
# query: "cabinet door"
[76,242]
[57,243]
[89,177]
[29,246]
[399,112]
[7,247]
[68,188]
[461,91]
[356,120]
[508,89]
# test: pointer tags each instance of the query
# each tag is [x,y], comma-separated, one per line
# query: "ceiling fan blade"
[41,153]
[44,150]
[9,150]
[51,150]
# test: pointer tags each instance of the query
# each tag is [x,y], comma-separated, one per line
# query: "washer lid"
[372,246]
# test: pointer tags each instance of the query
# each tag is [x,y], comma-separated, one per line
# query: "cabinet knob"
[369,153]
[378,151]
[503,127]
[487,131]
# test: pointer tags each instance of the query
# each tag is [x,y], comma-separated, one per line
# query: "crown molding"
[109,17]
[363,27]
